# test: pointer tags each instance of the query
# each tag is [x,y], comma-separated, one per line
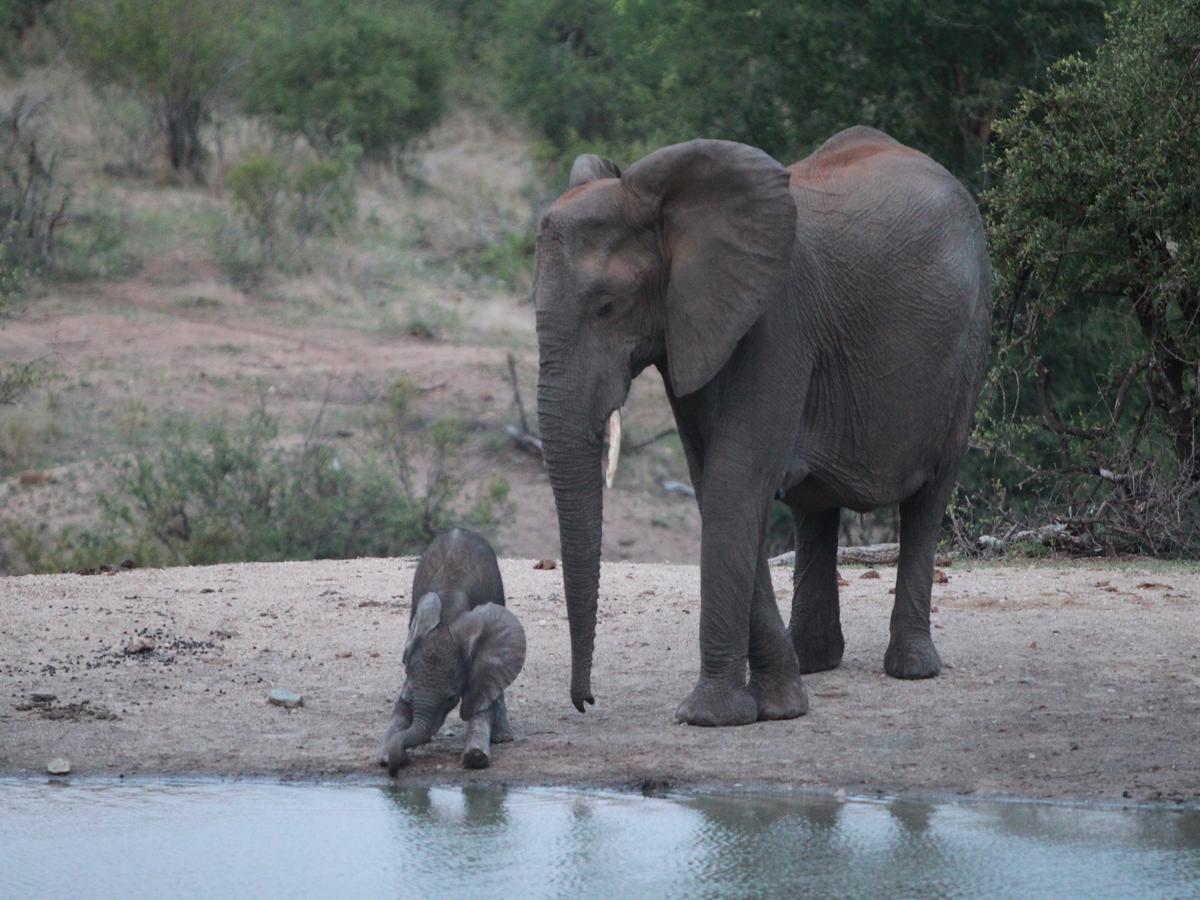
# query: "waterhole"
[258,839]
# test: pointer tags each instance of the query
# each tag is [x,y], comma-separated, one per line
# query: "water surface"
[258,839]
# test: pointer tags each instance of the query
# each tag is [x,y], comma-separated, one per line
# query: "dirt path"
[1063,681]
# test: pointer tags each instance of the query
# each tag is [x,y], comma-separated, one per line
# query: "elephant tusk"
[614,447]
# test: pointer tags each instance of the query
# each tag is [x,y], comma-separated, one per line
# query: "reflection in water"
[258,839]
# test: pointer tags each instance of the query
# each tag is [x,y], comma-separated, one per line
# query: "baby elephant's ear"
[492,643]
[425,618]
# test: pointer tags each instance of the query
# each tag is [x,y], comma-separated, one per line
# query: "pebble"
[286,699]
[1028,680]
[140,644]
[43,697]
[59,765]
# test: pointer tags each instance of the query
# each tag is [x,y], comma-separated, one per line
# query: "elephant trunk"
[572,447]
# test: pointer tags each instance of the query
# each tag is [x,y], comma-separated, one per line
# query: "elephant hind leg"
[910,652]
[816,625]
[775,680]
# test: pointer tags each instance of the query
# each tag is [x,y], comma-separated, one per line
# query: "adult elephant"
[821,331]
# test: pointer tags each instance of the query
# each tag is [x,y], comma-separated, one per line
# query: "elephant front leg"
[731,533]
[401,719]
[477,753]
[816,626]
[774,673]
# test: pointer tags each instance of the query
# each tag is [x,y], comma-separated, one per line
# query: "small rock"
[286,699]
[43,697]
[1028,679]
[140,644]
[343,654]
[59,765]
[869,574]
[545,564]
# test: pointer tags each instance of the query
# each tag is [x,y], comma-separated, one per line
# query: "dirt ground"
[1063,680]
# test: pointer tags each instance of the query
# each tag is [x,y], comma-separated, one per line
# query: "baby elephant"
[462,644]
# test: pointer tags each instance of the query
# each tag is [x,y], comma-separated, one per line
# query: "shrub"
[33,203]
[352,72]
[230,493]
[1094,404]
[257,188]
[625,77]
[324,196]
[179,56]
[273,198]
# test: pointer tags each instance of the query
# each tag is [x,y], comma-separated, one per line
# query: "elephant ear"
[728,222]
[425,618]
[589,167]
[492,643]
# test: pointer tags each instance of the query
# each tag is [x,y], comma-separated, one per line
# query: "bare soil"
[1062,680]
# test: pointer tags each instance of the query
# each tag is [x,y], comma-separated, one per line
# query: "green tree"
[1095,402]
[783,76]
[360,72]
[180,56]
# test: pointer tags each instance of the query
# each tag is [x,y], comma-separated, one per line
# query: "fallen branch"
[524,440]
[868,555]
[521,435]
[642,445]
[512,379]
[677,487]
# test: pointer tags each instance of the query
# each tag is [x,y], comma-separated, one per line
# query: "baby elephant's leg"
[501,732]
[476,754]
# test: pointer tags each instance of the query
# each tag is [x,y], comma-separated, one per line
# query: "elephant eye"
[605,311]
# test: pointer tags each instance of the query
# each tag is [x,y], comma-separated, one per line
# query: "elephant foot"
[911,655]
[715,703]
[820,655]
[778,698]
[476,758]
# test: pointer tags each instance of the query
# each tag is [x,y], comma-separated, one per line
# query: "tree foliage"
[180,56]
[362,72]
[1095,401]
[634,74]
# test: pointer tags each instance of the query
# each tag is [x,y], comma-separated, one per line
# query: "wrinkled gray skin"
[463,645]
[822,333]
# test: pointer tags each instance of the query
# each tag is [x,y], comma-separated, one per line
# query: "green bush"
[257,188]
[1093,413]
[235,493]
[274,200]
[179,56]
[324,196]
[626,77]
[366,73]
